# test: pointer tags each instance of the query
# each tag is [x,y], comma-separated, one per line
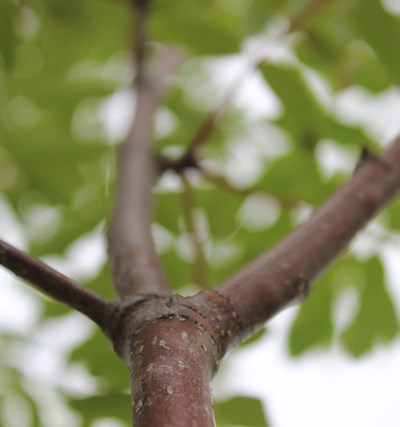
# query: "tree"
[60,62]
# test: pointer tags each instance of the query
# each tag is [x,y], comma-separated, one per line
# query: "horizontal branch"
[283,275]
[54,284]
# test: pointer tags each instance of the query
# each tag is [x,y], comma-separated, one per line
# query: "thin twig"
[189,158]
[303,15]
[141,8]
[54,284]
[297,21]
[134,263]
[199,260]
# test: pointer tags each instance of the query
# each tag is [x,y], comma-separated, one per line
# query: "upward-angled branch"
[133,260]
[208,126]
[54,284]
[199,263]
[310,9]
[202,134]
[283,275]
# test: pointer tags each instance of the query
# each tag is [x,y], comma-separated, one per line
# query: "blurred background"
[325,84]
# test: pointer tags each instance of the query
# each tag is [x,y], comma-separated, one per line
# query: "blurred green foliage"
[62,62]
[240,411]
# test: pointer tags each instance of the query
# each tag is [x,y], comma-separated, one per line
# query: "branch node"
[187,161]
[368,156]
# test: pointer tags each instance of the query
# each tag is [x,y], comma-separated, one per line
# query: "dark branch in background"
[134,264]
[187,161]
[141,10]
[283,275]
[190,157]
[199,264]
[304,14]
[55,285]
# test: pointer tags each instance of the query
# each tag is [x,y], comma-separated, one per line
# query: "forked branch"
[190,157]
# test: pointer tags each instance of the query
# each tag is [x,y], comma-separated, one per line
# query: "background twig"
[296,21]
[199,263]
[305,13]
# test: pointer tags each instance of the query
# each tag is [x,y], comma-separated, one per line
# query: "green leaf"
[261,333]
[97,355]
[331,51]
[313,325]
[75,223]
[376,320]
[380,29]
[199,25]
[8,41]
[111,405]
[240,411]
[168,210]
[221,208]
[297,176]
[249,244]
[392,215]
[52,308]
[329,44]
[101,283]
[303,116]
[177,271]
[13,384]
[260,12]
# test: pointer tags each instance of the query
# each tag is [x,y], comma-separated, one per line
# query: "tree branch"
[304,14]
[199,264]
[189,159]
[210,123]
[54,284]
[171,385]
[283,275]
[135,267]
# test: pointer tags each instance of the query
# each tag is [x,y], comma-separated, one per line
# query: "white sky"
[320,388]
